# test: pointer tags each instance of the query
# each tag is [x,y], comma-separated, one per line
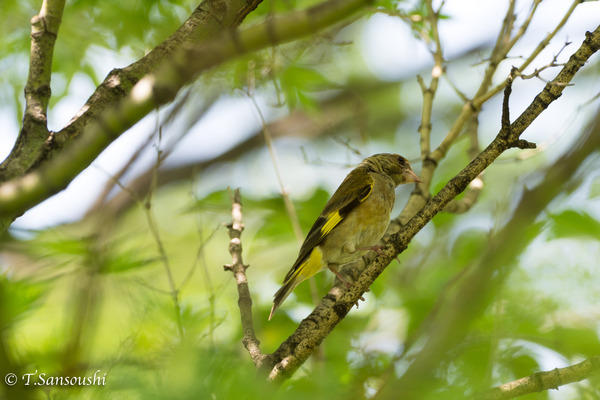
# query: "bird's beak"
[410,176]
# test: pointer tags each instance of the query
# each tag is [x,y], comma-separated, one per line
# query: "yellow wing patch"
[333,219]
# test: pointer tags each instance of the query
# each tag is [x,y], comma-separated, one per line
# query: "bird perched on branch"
[352,222]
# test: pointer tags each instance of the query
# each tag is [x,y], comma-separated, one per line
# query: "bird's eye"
[401,161]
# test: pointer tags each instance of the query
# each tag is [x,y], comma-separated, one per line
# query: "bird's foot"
[345,282]
[334,269]
[377,249]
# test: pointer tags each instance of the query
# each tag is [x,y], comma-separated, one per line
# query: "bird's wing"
[345,199]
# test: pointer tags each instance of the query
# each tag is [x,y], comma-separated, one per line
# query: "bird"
[352,222]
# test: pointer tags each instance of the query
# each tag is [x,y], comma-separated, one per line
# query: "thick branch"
[334,307]
[238,269]
[34,133]
[158,89]
[206,22]
[544,380]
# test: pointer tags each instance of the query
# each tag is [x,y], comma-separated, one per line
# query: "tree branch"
[541,46]
[544,380]
[460,206]
[335,113]
[209,19]
[34,134]
[477,286]
[428,93]
[503,45]
[238,269]
[334,307]
[431,159]
[157,89]
[206,22]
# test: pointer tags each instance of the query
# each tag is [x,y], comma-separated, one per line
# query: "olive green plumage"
[352,222]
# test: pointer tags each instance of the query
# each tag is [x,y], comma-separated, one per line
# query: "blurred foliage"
[571,223]
[95,294]
[130,326]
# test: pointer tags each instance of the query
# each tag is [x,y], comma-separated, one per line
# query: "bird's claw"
[379,250]
[360,298]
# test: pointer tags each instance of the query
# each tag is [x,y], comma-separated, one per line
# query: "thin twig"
[201,258]
[421,193]
[289,205]
[524,26]
[543,380]
[505,120]
[541,46]
[146,285]
[334,307]
[146,206]
[460,206]
[537,71]
[429,91]
[499,52]
[167,149]
[152,224]
[199,255]
[237,267]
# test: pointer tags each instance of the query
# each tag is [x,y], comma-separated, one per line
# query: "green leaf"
[215,201]
[573,223]
[391,5]
[522,365]
[18,299]
[296,81]
[125,262]
[572,342]
[469,245]
[68,246]
[307,78]
[307,101]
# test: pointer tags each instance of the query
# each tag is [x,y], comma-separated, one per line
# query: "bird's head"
[393,165]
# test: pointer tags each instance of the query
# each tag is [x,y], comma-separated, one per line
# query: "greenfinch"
[352,222]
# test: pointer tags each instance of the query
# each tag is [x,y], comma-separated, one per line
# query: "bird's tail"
[284,291]
[299,272]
